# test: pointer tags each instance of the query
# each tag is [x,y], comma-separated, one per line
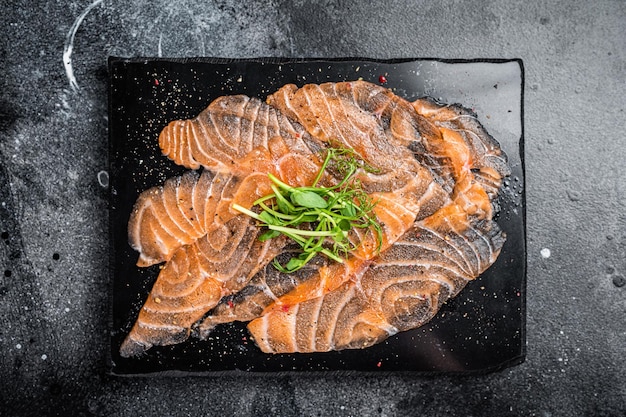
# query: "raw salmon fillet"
[436,174]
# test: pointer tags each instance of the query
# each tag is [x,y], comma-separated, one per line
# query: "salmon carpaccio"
[437,172]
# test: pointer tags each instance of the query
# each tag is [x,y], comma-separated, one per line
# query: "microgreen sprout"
[318,218]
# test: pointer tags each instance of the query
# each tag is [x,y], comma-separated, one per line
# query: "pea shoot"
[318,218]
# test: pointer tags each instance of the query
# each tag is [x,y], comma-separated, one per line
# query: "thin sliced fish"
[435,172]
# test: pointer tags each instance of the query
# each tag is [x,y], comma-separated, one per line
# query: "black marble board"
[482,329]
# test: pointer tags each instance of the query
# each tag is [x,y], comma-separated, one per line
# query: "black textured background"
[54,279]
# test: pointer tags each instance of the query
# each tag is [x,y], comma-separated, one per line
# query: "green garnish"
[328,213]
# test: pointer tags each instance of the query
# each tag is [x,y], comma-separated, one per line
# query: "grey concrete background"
[54,249]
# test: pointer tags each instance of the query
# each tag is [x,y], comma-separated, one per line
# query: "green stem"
[301,216]
[299,232]
[282,198]
[300,240]
[264,199]
[246,211]
[278,182]
[329,154]
[275,213]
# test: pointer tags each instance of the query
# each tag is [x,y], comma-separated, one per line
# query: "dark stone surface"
[53,209]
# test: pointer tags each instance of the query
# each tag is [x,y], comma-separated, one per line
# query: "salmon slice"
[228,131]
[195,279]
[380,126]
[188,207]
[263,289]
[429,264]
[460,126]
[348,114]
[167,217]
[402,289]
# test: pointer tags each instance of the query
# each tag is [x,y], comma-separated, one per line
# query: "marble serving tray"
[481,330]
